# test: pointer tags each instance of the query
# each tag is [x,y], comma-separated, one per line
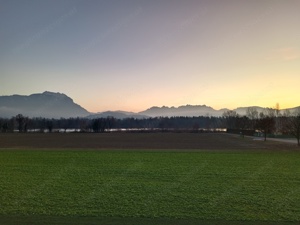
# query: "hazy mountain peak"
[56,94]
[56,105]
[47,104]
[184,110]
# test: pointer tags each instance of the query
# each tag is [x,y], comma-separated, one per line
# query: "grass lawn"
[143,187]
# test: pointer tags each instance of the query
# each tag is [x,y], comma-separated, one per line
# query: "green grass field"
[87,187]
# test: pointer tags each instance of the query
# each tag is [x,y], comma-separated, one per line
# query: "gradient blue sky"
[134,54]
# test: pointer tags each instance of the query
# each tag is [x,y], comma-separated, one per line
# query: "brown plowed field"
[137,141]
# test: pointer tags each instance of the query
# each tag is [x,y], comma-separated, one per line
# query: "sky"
[134,54]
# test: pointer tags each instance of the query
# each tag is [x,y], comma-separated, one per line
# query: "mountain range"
[58,105]
[47,104]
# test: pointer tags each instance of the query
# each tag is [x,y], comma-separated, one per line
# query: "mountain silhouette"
[187,110]
[201,110]
[47,104]
[58,105]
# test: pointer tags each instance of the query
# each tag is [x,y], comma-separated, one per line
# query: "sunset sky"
[134,54]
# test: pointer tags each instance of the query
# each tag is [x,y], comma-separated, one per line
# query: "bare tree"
[230,117]
[20,120]
[277,109]
[83,125]
[5,127]
[287,113]
[253,115]
[99,125]
[26,124]
[243,122]
[50,125]
[294,126]
[285,121]
[270,112]
[278,121]
[266,122]
[23,122]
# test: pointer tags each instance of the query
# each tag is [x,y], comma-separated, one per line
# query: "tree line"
[268,122]
[20,123]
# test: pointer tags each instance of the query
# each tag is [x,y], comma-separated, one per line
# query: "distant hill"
[243,110]
[291,110]
[187,110]
[47,104]
[57,105]
[200,110]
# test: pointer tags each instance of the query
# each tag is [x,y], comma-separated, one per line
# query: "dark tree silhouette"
[230,117]
[50,126]
[294,126]
[181,123]
[99,125]
[20,120]
[253,116]
[5,127]
[26,124]
[266,124]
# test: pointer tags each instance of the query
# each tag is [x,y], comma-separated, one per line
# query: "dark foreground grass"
[79,187]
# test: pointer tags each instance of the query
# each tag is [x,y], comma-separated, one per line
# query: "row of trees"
[21,123]
[268,122]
